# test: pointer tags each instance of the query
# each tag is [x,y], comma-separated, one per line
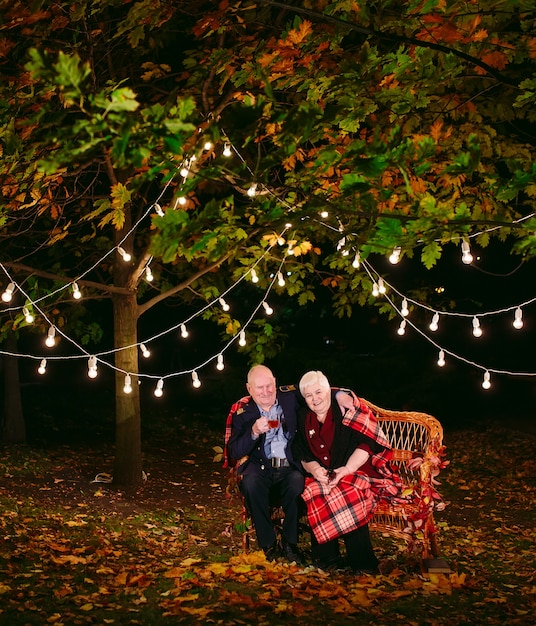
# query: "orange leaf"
[298,35]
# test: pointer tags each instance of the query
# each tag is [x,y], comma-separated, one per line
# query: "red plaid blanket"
[229,427]
[352,502]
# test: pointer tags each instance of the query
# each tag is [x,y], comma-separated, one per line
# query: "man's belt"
[279,463]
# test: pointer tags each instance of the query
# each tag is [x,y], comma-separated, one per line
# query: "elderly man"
[262,427]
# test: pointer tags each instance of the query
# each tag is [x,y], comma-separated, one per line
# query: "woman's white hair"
[314,377]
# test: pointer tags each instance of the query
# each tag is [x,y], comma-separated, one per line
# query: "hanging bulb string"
[372,272]
[449,352]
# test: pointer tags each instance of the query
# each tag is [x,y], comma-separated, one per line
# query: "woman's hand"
[336,475]
[320,474]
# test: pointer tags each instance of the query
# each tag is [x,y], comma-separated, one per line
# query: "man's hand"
[259,427]
[345,402]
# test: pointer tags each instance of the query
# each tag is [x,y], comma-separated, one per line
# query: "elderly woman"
[346,461]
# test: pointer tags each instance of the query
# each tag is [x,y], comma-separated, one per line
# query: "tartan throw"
[352,502]
[227,461]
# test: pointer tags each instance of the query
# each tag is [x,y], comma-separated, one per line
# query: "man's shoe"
[270,552]
[291,553]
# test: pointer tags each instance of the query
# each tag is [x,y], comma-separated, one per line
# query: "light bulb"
[402,328]
[128,384]
[207,145]
[252,191]
[395,255]
[434,324]
[404,310]
[219,364]
[267,308]
[42,367]
[195,380]
[126,256]
[148,274]
[518,319]
[8,293]
[357,260]
[375,290]
[477,331]
[184,171]
[77,294]
[254,277]
[224,304]
[92,367]
[184,331]
[324,214]
[159,390]
[242,338]
[227,150]
[467,257]
[381,286]
[280,279]
[486,383]
[50,341]
[341,243]
[158,209]
[181,200]
[441,359]
[146,353]
[27,315]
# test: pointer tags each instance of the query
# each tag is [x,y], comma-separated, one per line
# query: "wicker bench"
[419,455]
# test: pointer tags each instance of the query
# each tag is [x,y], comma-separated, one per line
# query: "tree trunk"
[127,467]
[14,427]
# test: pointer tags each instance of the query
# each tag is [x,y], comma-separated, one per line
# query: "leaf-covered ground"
[78,552]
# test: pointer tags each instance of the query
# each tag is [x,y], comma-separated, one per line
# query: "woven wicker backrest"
[411,435]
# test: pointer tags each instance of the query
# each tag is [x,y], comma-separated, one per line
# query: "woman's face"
[318,399]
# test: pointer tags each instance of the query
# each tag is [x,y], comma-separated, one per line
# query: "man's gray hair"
[314,377]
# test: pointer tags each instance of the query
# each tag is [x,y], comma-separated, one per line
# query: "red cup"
[273,423]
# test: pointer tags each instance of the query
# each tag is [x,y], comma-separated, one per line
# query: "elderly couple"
[328,453]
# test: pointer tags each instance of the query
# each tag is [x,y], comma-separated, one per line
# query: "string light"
[280,279]
[195,380]
[381,286]
[434,324]
[8,293]
[518,319]
[146,353]
[254,277]
[375,290]
[441,358]
[208,145]
[126,256]
[224,304]
[268,309]
[242,338]
[395,255]
[149,274]
[159,389]
[252,191]
[50,341]
[29,318]
[486,383]
[182,200]
[341,243]
[220,365]
[227,150]
[404,310]
[467,257]
[127,388]
[402,328]
[185,169]
[184,331]
[477,331]
[42,367]
[324,214]
[77,294]
[92,367]
[357,260]
[158,209]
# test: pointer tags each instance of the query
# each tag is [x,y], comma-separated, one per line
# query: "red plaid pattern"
[351,503]
[229,427]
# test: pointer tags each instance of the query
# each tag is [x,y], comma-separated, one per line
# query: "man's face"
[262,389]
